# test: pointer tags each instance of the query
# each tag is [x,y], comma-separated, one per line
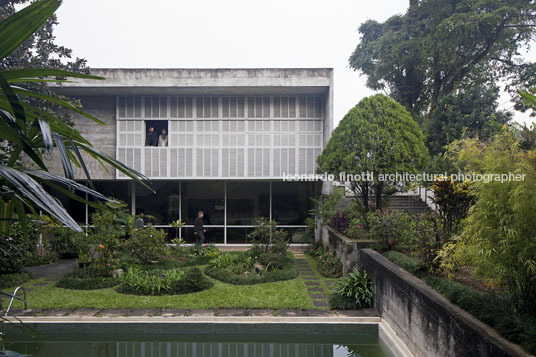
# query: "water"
[202,345]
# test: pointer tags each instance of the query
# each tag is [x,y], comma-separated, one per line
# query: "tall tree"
[440,48]
[378,136]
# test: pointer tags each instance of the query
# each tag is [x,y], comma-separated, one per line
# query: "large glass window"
[163,204]
[120,190]
[291,202]
[214,235]
[246,201]
[206,196]
[75,208]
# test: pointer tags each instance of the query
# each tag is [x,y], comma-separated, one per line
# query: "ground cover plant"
[327,263]
[354,291]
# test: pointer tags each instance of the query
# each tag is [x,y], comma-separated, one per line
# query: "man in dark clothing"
[199,229]
[151,139]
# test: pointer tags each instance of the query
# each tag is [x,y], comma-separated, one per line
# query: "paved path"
[54,271]
[316,287]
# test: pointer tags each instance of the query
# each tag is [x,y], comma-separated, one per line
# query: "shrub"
[407,263]
[329,265]
[391,228]
[160,282]
[358,287]
[14,279]
[339,302]
[427,240]
[267,238]
[497,310]
[340,221]
[146,244]
[237,263]
[272,261]
[84,279]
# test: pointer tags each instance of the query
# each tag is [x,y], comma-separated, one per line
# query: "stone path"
[314,284]
[54,271]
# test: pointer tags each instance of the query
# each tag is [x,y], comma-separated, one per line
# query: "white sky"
[222,34]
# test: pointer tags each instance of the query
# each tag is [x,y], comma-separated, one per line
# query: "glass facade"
[229,206]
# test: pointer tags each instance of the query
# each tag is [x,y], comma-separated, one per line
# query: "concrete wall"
[102,137]
[423,319]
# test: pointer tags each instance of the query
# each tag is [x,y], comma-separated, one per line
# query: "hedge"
[407,263]
[73,281]
[14,279]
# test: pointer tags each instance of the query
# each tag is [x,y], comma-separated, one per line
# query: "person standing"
[163,138]
[151,139]
[139,223]
[199,228]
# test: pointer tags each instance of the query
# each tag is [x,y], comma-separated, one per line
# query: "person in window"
[199,229]
[151,139]
[162,139]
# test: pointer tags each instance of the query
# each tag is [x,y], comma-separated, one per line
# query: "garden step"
[319,296]
[312,283]
[320,303]
[315,290]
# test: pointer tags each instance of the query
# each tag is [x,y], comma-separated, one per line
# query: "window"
[258,107]
[246,201]
[291,202]
[206,196]
[310,107]
[163,204]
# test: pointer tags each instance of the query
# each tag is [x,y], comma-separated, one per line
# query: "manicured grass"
[290,294]
[328,289]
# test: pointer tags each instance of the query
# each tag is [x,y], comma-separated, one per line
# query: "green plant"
[238,262]
[146,244]
[267,238]
[325,205]
[13,279]
[402,260]
[358,287]
[310,229]
[178,224]
[392,229]
[84,279]
[339,302]
[329,265]
[453,201]
[427,240]
[159,282]
[272,261]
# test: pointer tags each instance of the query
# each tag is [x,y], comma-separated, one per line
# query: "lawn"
[290,294]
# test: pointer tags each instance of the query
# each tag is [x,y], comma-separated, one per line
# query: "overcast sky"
[223,34]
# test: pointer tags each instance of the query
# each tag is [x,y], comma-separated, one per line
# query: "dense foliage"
[444,61]
[377,136]
[354,290]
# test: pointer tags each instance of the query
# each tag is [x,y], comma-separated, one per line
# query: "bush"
[407,263]
[427,240]
[83,279]
[497,310]
[272,261]
[329,265]
[358,287]
[391,228]
[237,263]
[161,282]
[14,279]
[340,222]
[267,238]
[146,244]
[339,302]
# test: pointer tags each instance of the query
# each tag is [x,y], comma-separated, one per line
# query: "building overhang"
[262,81]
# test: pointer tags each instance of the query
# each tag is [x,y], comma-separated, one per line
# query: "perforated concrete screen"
[221,136]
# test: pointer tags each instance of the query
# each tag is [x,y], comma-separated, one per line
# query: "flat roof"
[203,81]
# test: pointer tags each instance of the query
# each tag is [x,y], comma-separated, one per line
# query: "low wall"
[423,319]
[345,248]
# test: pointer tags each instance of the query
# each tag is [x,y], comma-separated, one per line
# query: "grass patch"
[290,294]
[407,263]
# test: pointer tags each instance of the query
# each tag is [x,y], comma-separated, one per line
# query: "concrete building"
[232,136]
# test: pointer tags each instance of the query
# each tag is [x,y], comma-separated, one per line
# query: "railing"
[4,318]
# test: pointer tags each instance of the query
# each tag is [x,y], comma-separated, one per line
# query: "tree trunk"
[379,190]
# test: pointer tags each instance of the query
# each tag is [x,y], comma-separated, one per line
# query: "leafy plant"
[146,244]
[427,240]
[329,265]
[238,263]
[325,205]
[267,238]
[358,287]
[392,229]
[407,263]
[178,224]
[340,221]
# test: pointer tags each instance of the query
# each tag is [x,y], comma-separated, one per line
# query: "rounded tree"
[377,136]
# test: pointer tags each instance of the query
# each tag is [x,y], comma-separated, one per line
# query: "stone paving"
[54,271]
[312,281]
